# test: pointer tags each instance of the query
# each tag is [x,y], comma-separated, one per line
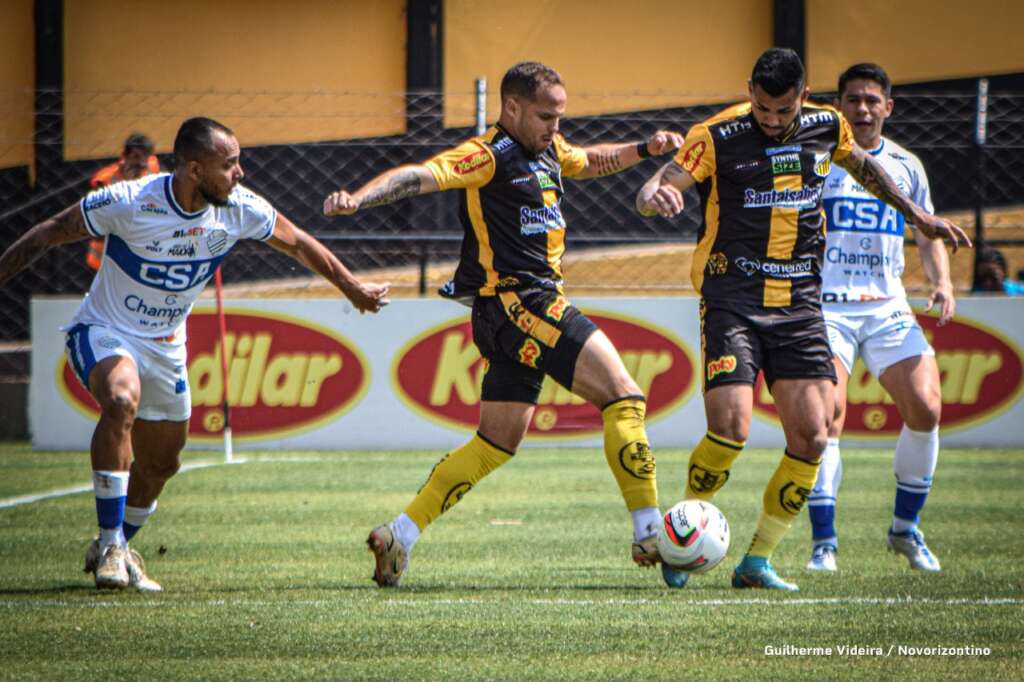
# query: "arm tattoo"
[403,184]
[607,162]
[65,227]
[872,175]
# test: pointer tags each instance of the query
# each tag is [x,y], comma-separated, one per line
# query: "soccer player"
[166,235]
[760,168]
[867,314]
[511,182]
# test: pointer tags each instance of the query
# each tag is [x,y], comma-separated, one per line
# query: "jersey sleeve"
[109,210]
[921,191]
[845,143]
[258,216]
[467,166]
[697,155]
[572,158]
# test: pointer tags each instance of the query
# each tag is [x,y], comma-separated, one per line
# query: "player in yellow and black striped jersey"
[511,183]
[759,169]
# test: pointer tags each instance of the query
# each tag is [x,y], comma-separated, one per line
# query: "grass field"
[267,577]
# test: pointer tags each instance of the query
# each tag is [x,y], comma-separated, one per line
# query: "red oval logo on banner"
[284,374]
[439,373]
[980,373]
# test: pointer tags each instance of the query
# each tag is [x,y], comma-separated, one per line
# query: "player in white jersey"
[166,234]
[867,315]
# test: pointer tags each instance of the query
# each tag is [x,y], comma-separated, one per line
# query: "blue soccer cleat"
[673,577]
[756,572]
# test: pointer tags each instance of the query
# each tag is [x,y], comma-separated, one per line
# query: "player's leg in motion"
[914,386]
[727,408]
[821,505]
[805,409]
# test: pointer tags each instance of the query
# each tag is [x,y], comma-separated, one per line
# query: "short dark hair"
[526,78]
[777,71]
[990,254]
[195,138]
[139,141]
[866,71]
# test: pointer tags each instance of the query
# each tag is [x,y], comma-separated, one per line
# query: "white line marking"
[190,466]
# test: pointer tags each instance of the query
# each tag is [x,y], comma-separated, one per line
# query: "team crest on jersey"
[822,164]
[217,241]
[718,263]
[693,155]
[471,162]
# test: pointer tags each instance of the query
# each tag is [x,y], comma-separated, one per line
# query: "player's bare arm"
[608,159]
[388,187]
[289,239]
[870,173]
[64,228]
[935,262]
[662,194]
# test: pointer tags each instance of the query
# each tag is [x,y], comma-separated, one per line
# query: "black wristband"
[642,151]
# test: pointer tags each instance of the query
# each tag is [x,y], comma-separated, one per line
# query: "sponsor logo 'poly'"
[439,376]
[980,374]
[284,375]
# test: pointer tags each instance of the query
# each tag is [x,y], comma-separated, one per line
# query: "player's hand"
[663,142]
[666,201]
[369,297]
[934,227]
[340,203]
[943,296]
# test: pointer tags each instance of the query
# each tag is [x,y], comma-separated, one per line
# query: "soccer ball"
[694,536]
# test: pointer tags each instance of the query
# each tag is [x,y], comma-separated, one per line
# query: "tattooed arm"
[869,172]
[388,187]
[608,159]
[663,193]
[65,227]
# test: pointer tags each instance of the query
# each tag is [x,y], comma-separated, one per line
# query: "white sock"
[646,522]
[822,500]
[406,530]
[917,453]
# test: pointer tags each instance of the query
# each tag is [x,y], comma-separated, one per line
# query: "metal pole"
[980,135]
[481,106]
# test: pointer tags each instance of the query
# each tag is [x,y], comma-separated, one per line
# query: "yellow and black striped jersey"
[510,211]
[763,229]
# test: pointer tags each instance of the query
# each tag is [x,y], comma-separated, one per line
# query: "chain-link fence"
[422,235]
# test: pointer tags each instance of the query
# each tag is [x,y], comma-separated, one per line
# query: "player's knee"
[161,468]
[733,426]
[924,413]
[809,441]
[121,406]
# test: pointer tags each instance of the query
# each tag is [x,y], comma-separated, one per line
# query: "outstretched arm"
[65,227]
[388,187]
[871,174]
[662,194]
[289,239]
[935,262]
[607,159]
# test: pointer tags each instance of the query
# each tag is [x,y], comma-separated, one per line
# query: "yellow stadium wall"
[17,74]
[275,72]
[914,40]
[613,56]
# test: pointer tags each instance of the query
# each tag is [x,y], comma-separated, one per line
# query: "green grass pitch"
[267,577]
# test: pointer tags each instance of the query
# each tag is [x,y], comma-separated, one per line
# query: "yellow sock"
[709,466]
[453,477]
[628,452]
[784,497]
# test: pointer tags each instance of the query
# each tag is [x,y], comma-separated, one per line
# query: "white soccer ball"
[694,537]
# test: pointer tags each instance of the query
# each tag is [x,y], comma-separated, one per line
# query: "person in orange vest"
[136,160]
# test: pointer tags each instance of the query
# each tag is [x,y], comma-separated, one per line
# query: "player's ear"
[805,94]
[890,103]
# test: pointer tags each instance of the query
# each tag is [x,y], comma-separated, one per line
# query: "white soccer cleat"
[92,556]
[823,558]
[911,545]
[645,551]
[391,557]
[112,568]
[137,577]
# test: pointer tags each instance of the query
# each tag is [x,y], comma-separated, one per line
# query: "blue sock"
[907,509]
[823,517]
[111,489]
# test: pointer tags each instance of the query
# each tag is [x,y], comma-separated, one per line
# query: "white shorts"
[882,338]
[162,370]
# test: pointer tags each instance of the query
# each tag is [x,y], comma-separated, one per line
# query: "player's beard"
[212,198]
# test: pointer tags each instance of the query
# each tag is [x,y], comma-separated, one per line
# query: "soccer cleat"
[137,577]
[92,556]
[911,545]
[823,558]
[645,554]
[756,572]
[112,568]
[392,559]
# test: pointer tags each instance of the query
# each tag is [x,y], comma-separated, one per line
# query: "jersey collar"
[173,203]
[877,150]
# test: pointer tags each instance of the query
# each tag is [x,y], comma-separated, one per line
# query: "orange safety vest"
[108,175]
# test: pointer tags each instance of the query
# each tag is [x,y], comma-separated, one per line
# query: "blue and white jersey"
[864,245]
[158,258]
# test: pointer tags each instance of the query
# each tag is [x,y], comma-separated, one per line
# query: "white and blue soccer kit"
[157,260]
[864,303]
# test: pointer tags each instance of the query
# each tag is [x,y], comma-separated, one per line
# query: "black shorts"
[787,343]
[525,335]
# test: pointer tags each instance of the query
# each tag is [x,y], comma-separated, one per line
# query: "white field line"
[503,601]
[190,466]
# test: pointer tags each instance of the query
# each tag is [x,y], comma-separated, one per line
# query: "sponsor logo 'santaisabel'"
[284,375]
[980,375]
[438,375]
